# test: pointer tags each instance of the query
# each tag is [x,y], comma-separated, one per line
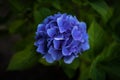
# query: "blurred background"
[18,23]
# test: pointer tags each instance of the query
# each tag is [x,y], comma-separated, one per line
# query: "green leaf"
[113,51]
[111,61]
[44,62]
[40,14]
[84,71]
[102,8]
[16,4]
[92,71]
[78,2]
[113,68]
[115,27]
[97,74]
[107,61]
[23,60]
[56,4]
[109,53]
[96,37]
[15,25]
[70,69]
[74,65]
[69,72]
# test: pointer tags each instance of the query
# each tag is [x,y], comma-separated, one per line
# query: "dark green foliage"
[100,62]
[23,59]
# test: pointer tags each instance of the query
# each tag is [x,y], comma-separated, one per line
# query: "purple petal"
[38,42]
[49,42]
[82,25]
[67,41]
[59,37]
[62,23]
[69,59]
[46,20]
[85,46]
[74,46]
[76,34]
[35,43]
[76,20]
[52,31]
[57,44]
[73,43]
[66,51]
[40,34]
[85,35]
[51,24]
[56,54]
[41,49]
[57,15]
[41,27]
[67,34]
[72,20]
[49,58]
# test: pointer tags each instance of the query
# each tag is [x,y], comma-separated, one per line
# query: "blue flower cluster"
[61,36]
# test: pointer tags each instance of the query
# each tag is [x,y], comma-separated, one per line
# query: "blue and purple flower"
[61,36]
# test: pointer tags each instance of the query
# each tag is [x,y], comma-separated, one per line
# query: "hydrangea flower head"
[61,36]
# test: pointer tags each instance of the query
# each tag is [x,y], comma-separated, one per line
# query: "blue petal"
[59,37]
[85,46]
[57,44]
[38,42]
[52,31]
[69,59]
[73,20]
[66,51]
[41,41]
[82,27]
[67,41]
[76,20]
[48,58]
[85,35]
[49,40]
[40,27]
[46,20]
[35,43]
[62,23]
[74,43]
[67,34]
[74,46]
[56,54]
[40,34]
[57,15]
[41,49]
[51,24]
[76,34]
